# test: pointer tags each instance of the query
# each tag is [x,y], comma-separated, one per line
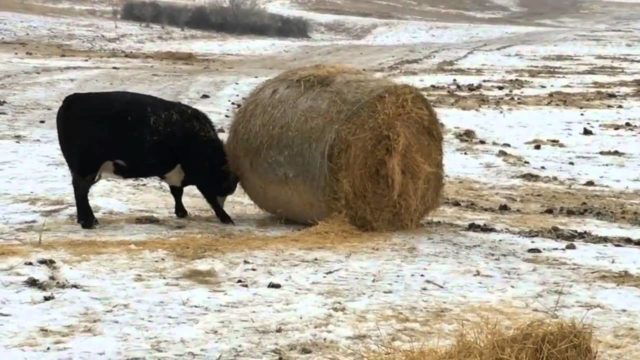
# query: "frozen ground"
[523,181]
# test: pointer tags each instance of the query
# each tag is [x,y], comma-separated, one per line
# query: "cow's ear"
[234,177]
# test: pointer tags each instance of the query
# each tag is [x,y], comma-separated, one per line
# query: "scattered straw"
[536,340]
[331,139]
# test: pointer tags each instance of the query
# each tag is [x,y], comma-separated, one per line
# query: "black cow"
[133,135]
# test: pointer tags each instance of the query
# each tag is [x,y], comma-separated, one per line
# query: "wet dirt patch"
[548,71]
[559,57]
[624,126]
[585,210]
[49,50]
[201,276]
[305,349]
[546,142]
[146,219]
[557,233]
[543,199]
[53,281]
[616,84]
[356,32]
[473,206]
[531,177]
[612,153]
[534,228]
[584,100]
[512,159]
[546,261]
[29,7]
[467,136]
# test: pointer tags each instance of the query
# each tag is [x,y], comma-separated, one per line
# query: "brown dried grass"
[321,140]
[13,251]
[535,340]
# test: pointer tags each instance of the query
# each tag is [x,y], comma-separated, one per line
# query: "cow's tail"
[64,109]
[63,118]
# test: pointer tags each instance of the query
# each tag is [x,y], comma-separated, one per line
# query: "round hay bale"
[320,140]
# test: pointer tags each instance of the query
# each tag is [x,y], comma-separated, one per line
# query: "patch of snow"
[424,32]
[519,126]
[101,35]
[513,5]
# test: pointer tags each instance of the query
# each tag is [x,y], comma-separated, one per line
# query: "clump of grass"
[536,340]
[233,16]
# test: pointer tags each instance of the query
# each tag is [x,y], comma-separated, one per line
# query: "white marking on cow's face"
[107,170]
[175,176]
[221,200]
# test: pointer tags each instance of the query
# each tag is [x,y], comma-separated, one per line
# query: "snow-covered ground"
[104,35]
[330,299]
[145,284]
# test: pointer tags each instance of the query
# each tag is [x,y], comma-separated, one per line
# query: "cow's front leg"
[177,192]
[215,203]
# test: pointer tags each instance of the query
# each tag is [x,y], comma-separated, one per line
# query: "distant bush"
[235,16]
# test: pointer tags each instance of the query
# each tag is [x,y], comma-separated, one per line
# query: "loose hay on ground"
[335,234]
[331,139]
[536,340]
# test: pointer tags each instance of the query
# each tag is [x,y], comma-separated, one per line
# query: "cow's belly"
[108,170]
[119,169]
[175,176]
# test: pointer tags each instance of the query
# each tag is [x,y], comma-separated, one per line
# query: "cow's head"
[225,184]
[228,182]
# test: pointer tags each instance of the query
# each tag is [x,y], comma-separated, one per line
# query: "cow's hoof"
[226,219]
[89,224]
[182,213]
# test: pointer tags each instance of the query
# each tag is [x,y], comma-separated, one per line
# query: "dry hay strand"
[323,140]
[535,340]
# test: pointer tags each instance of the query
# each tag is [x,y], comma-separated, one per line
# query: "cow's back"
[146,132]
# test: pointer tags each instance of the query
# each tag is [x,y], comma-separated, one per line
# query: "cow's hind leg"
[81,188]
[177,192]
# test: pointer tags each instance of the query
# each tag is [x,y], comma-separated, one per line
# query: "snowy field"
[540,218]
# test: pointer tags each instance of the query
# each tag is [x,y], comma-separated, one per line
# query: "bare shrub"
[233,16]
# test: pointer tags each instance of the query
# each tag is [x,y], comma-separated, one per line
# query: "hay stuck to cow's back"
[321,140]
